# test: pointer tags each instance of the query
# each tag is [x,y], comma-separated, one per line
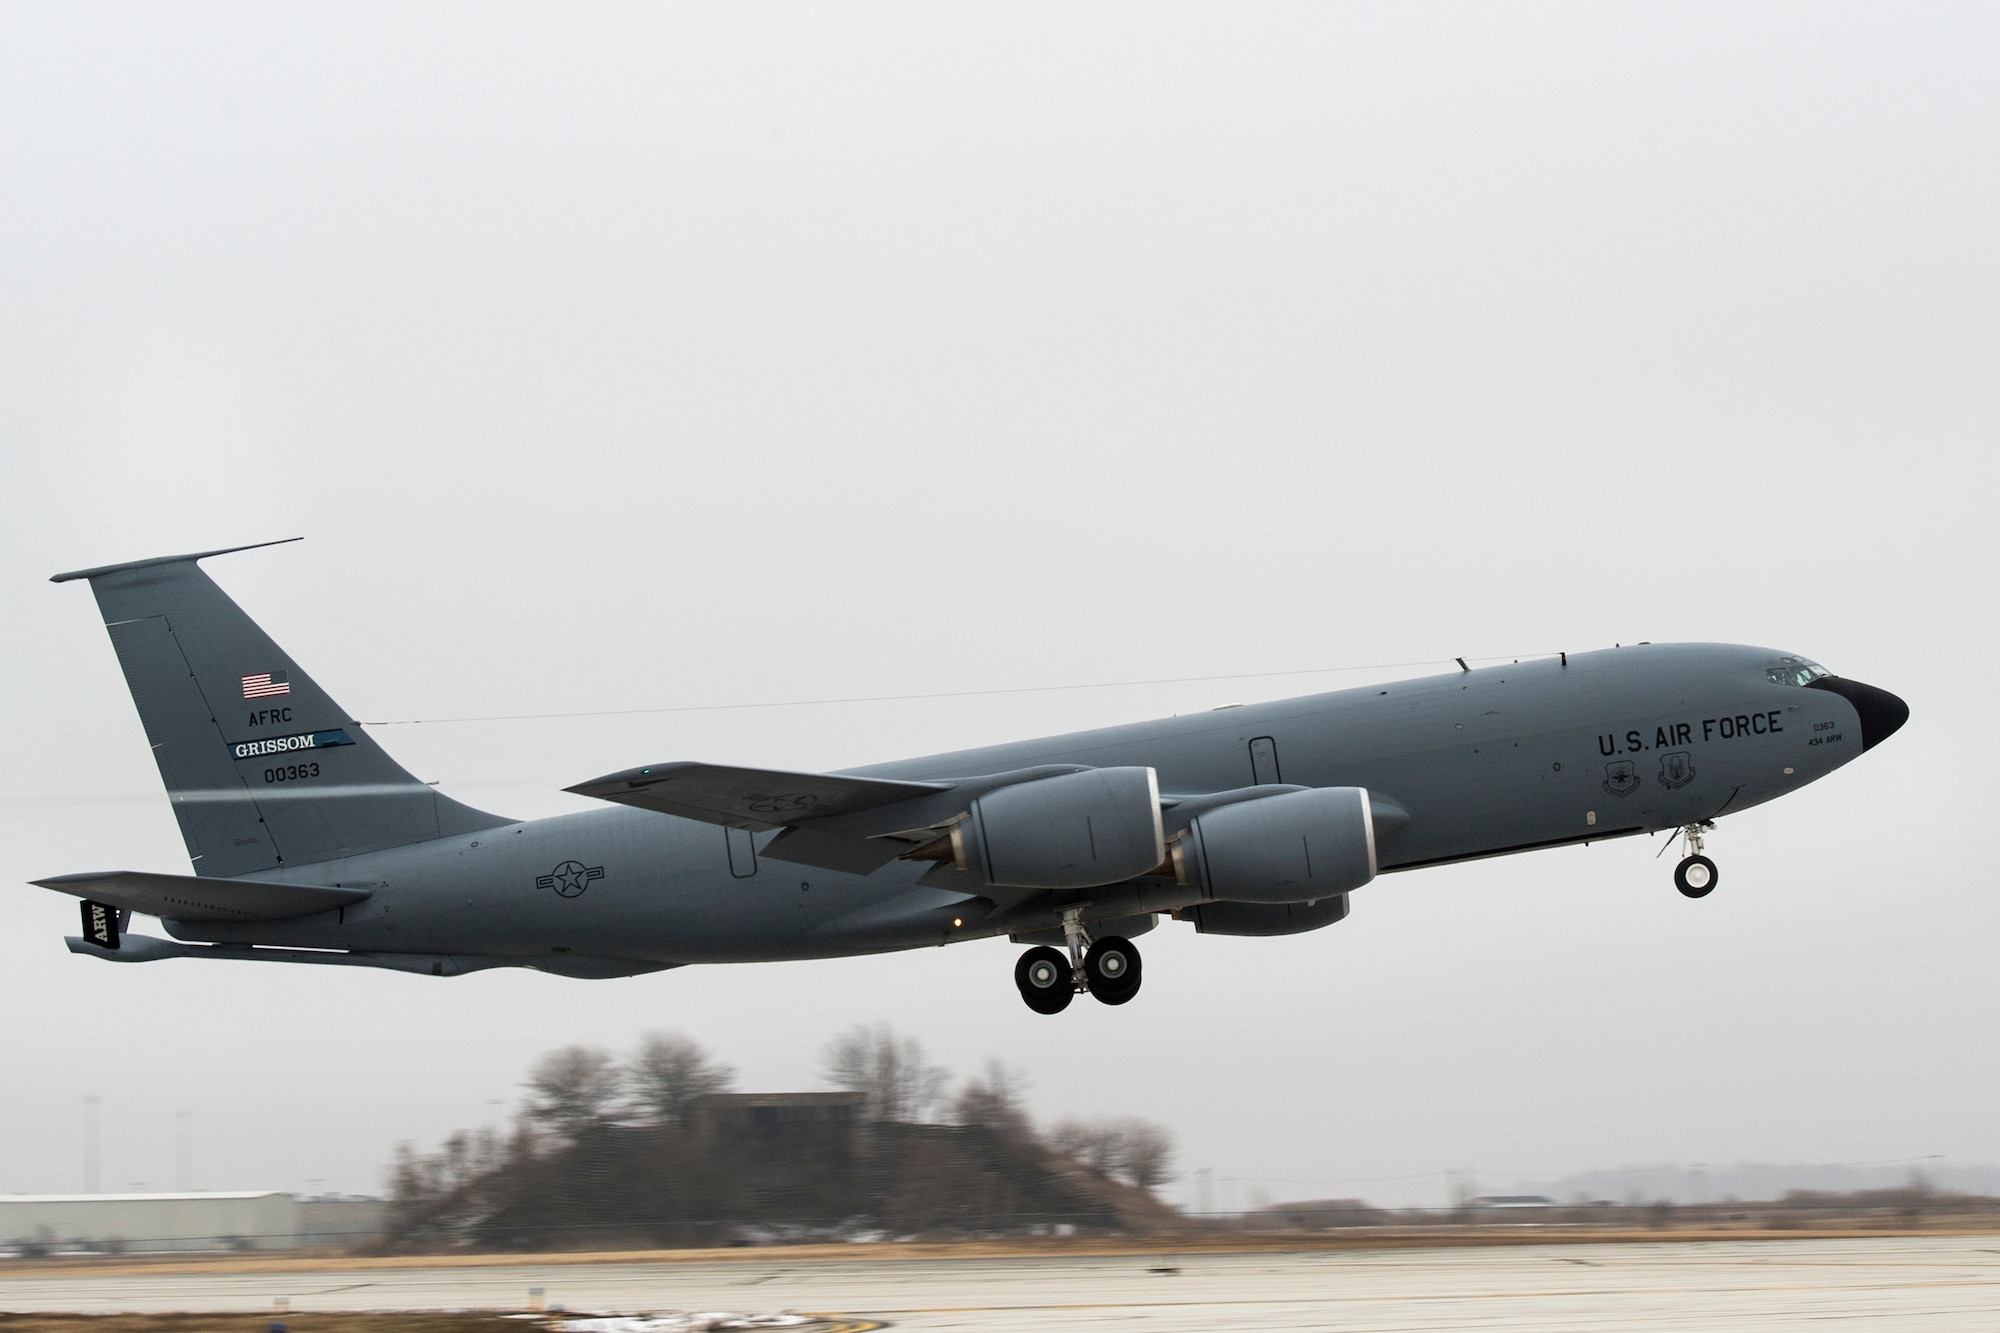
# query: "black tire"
[1044,979]
[1111,969]
[1696,876]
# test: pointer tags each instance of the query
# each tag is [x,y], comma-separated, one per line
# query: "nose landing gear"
[1696,875]
[1108,969]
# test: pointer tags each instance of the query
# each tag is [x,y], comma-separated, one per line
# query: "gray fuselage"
[1483,763]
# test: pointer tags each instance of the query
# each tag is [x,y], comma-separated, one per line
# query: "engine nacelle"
[1075,831]
[1264,918]
[1301,847]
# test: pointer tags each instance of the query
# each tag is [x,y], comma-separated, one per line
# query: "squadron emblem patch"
[1621,778]
[1676,769]
[791,803]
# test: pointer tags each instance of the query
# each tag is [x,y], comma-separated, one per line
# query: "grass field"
[331,1322]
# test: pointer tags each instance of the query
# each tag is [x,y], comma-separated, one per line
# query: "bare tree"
[889,1071]
[1087,1141]
[573,1089]
[668,1072]
[445,1192]
[1145,1150]
[997,1100]
[1129,1149]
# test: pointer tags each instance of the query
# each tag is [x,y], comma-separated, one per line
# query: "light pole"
[184,1151]
[90,1143]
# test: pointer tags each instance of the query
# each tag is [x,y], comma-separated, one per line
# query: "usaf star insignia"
[570,878]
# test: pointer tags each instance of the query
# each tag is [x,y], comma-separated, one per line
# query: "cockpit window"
[1795,671]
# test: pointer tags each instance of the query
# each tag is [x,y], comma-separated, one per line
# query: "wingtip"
[628,779]
[605,788]
[98,570]
[71,883]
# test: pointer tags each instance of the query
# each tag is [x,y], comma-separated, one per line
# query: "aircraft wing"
[189,898]
[752,798]
[831,820]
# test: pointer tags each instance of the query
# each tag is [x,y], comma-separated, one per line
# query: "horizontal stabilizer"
[150,562]
[188,898]
[146,949]
[751,798]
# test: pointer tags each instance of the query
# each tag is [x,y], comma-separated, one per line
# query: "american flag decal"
[265,684]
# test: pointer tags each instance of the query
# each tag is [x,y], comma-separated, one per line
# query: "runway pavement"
[1913,1283]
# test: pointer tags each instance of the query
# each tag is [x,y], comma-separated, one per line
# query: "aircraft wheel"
[1043,978]
[1111,967]
[1696,876]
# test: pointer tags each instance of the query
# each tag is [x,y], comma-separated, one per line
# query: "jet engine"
[1073,831]
[1264,918]
[1301,847]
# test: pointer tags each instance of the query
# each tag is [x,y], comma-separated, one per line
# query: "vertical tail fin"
[263,768]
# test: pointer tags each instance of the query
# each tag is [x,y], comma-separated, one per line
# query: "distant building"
[1316,1215]
[812,1121]
[181,1223]
[1511,1202]
[796,1153]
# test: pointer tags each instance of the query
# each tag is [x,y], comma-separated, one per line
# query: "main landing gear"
[1108,969]
[1696,875]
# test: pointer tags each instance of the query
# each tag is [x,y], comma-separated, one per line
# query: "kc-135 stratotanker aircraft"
[311,845]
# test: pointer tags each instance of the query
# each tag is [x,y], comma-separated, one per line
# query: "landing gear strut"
[1696,875]
[1106,968]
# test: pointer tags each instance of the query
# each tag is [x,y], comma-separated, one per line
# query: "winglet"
[164,560]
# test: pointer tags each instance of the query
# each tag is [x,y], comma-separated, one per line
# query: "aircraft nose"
[1882,713]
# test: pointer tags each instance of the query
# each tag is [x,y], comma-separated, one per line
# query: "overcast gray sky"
[624,357]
